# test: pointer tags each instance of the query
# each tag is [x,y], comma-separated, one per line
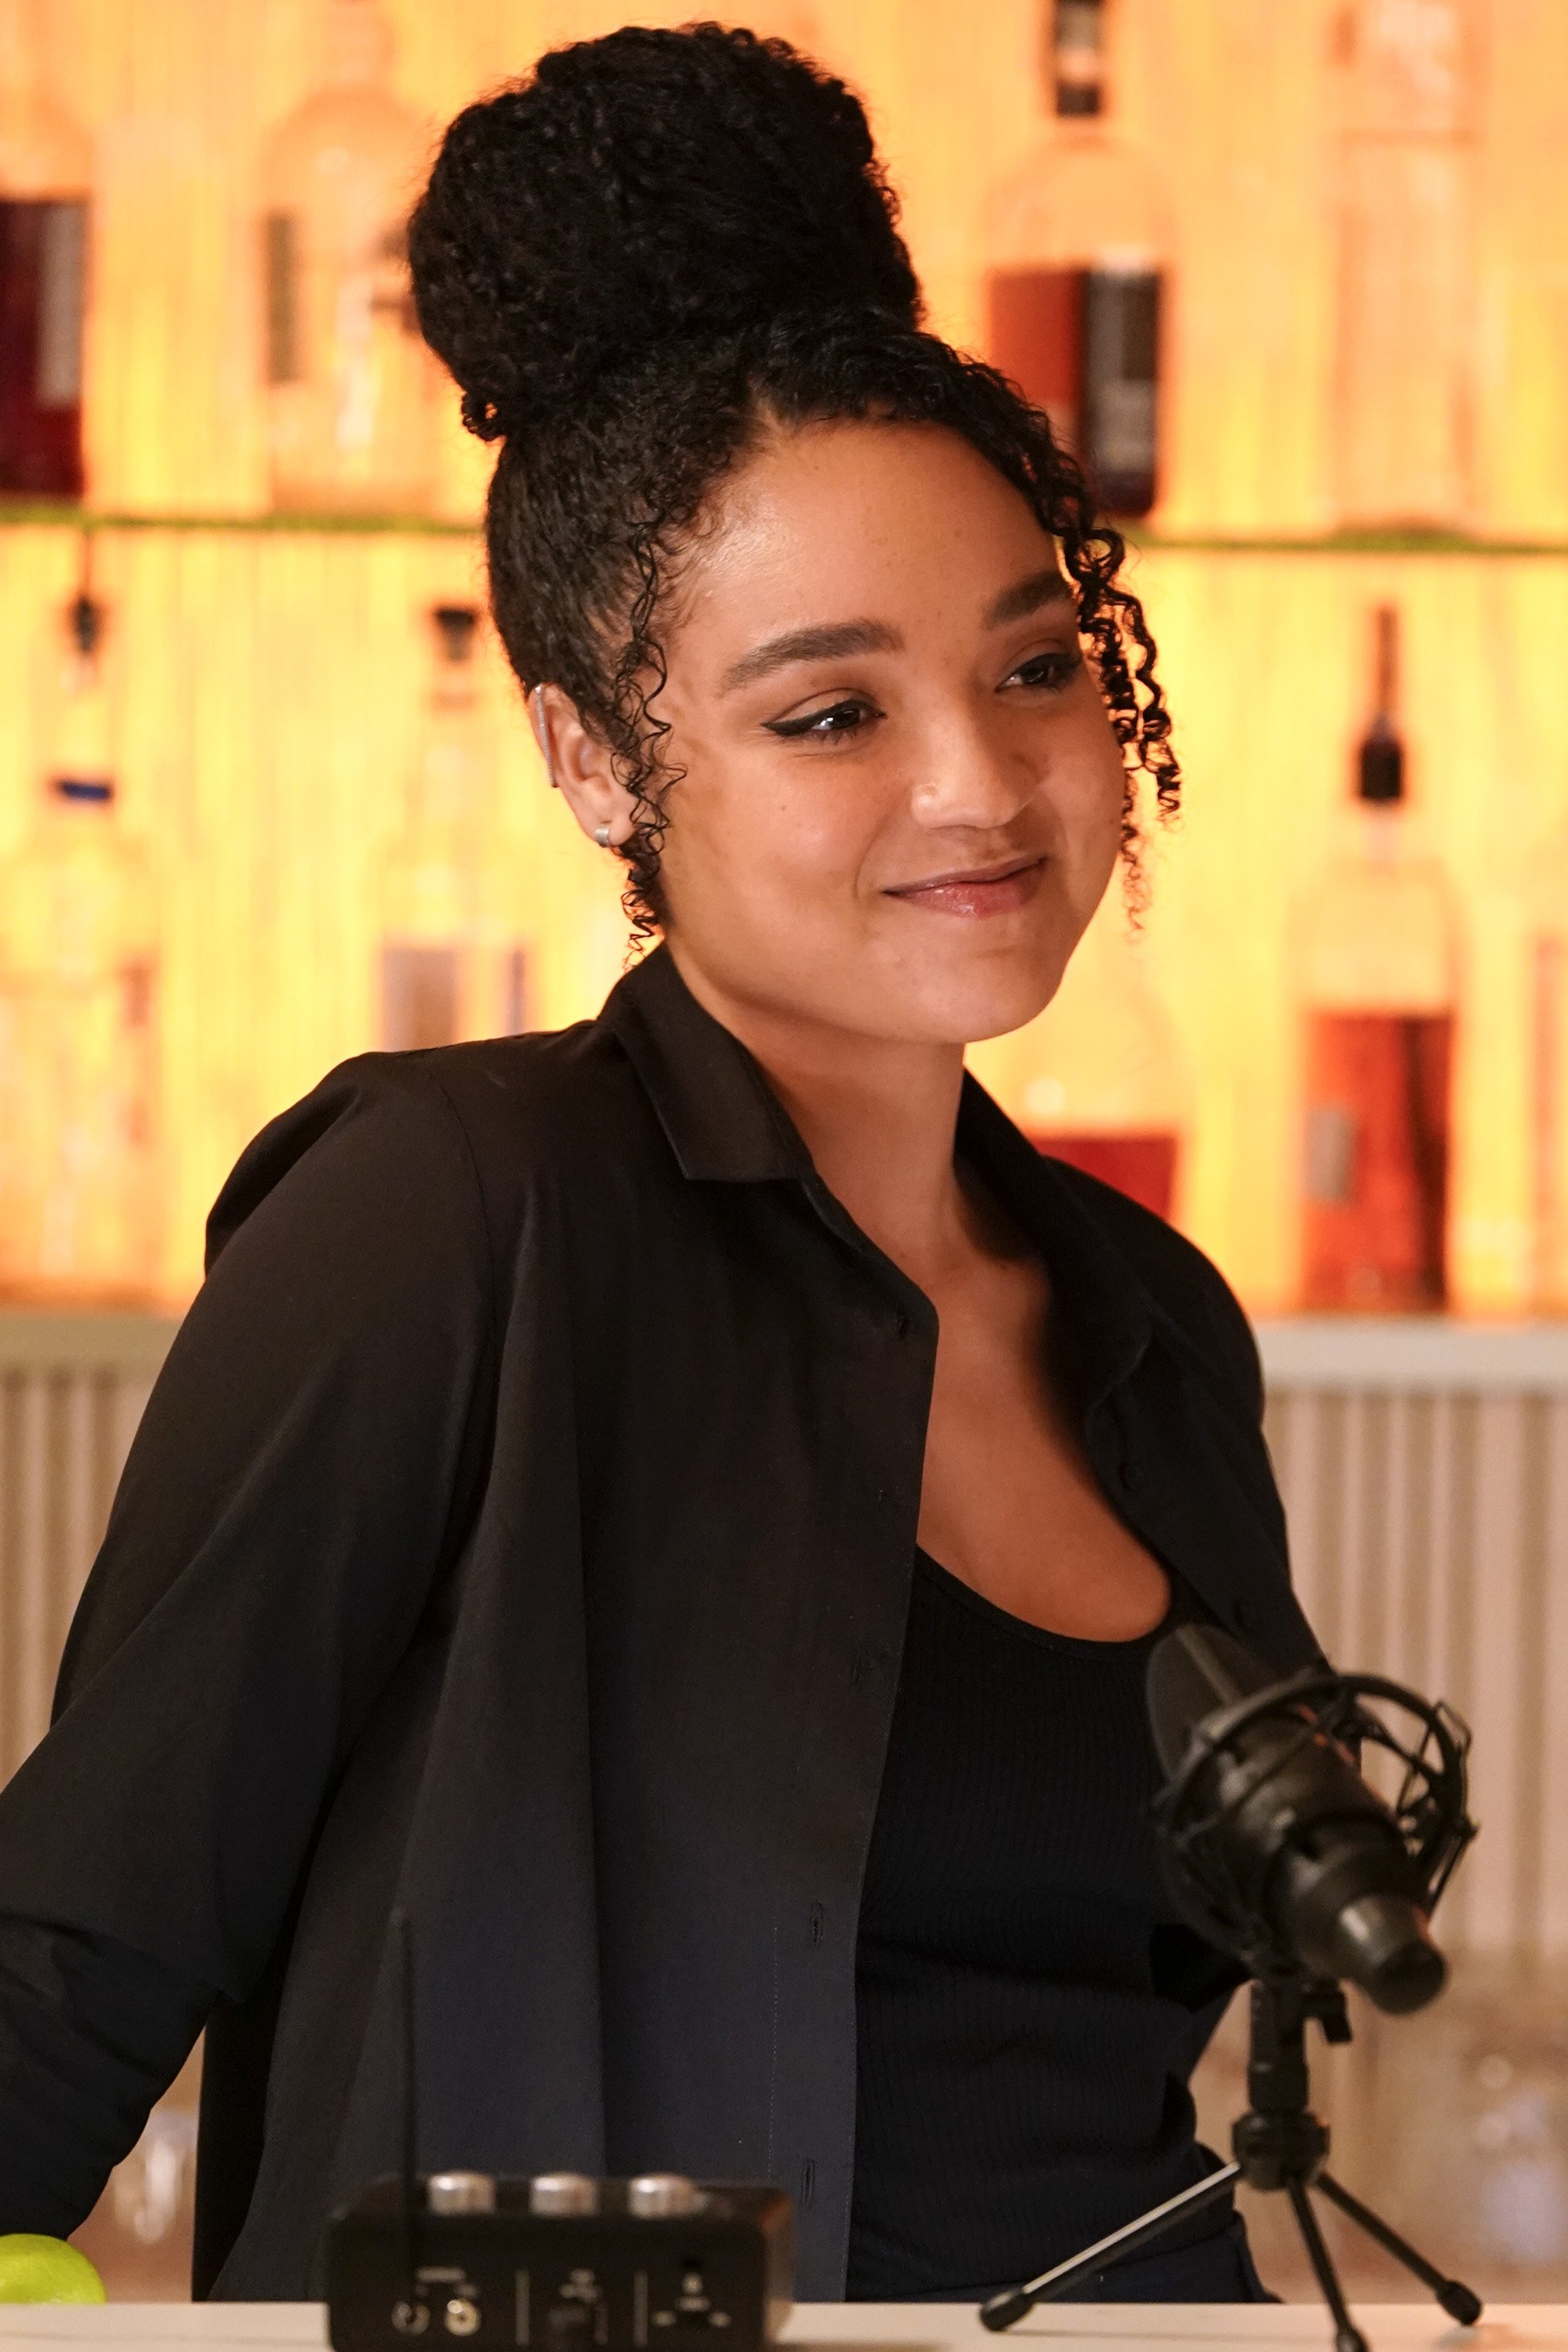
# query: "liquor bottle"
[1075,279]
[79,952]
[1546,937]
[1098,1078]
[44,181]
[1405,334]
[453,954]
[349,382]
[1380,973]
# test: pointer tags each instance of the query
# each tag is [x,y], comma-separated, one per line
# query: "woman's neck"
[878,1116]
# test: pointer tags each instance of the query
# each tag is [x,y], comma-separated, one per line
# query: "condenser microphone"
[1274,1844]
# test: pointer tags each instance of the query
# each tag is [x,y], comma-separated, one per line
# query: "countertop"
[896,2327]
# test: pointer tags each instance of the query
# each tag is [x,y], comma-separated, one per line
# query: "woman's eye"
[1052,670]
[835,718]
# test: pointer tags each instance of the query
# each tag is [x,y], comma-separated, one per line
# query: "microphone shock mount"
[1248,1804]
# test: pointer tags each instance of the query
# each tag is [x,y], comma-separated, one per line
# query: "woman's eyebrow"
[1026,596]
[827,642]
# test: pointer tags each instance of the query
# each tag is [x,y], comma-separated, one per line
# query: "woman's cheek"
[820,825]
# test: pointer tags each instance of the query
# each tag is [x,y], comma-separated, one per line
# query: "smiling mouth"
[996,889]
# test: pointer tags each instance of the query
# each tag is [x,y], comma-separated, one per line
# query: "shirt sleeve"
[92,2033]
[293,1494]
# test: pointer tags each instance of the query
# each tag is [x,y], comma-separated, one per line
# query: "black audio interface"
[560,2263]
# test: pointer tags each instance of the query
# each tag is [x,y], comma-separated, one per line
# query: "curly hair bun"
[649,187]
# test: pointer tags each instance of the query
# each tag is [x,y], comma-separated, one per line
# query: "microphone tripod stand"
[1279,2144]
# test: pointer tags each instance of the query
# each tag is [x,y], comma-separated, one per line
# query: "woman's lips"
[987,891]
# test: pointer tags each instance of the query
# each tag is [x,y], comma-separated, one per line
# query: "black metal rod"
[402,1932]
[1348,2336]
[1003,2310]
[1460,2302]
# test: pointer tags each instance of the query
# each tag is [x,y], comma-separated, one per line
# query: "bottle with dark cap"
[1076,240]
[1379,958]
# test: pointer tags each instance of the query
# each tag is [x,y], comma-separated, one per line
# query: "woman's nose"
[965,777]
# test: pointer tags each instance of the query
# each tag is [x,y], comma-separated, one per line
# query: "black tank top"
[1029,2004]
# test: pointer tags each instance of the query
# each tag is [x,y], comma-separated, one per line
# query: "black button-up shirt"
[521,1531]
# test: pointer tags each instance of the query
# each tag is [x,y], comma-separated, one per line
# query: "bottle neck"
[83,735]
[1383,831]
[358,45]
[18,52]
[1078,84]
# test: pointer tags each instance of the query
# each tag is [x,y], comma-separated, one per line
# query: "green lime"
[46,2269]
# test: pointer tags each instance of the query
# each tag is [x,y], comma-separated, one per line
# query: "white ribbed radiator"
[71,1391]
[1424,1471]
[1424,1468]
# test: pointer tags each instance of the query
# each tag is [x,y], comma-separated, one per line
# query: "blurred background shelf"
[268,687]
[270,663]
[25,514]
[22,514]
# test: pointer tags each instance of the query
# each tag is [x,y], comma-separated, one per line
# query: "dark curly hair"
[635,263]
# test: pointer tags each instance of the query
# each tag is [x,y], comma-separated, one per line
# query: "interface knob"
[562,2192]
[654,2194]
[460,2192]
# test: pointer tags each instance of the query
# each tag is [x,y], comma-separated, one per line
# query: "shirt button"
[1132,1475]
[901,1326]
[1245,1615]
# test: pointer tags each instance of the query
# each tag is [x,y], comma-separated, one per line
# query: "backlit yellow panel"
[269,681]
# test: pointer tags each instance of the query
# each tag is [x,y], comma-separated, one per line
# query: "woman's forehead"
[857,522]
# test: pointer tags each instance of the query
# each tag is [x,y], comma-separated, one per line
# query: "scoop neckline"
[1073,1644]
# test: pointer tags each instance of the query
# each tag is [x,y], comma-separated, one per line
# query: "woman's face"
[902,797]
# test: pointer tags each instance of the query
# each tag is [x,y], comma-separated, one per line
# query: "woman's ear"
[581,766]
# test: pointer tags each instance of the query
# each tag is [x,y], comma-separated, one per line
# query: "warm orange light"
[269,680]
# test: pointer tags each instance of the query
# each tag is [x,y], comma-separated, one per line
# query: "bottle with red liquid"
[1380,982]
[1098,1078]
[44,179]
[1076,273]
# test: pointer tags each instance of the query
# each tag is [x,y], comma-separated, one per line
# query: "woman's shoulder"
[1182,1280]
[454,1129]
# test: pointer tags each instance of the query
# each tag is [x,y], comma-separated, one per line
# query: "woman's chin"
[964,1008]
[973,997]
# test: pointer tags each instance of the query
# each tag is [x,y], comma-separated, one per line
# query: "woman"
[682,1505]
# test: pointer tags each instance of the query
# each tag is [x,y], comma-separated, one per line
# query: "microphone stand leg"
[1460,2302]
[1348,2336]
[1003,2310]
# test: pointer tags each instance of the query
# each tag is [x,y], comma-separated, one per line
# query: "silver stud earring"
[602,836]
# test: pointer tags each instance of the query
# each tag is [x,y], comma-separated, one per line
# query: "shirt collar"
[719,1113]
[724,1125]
